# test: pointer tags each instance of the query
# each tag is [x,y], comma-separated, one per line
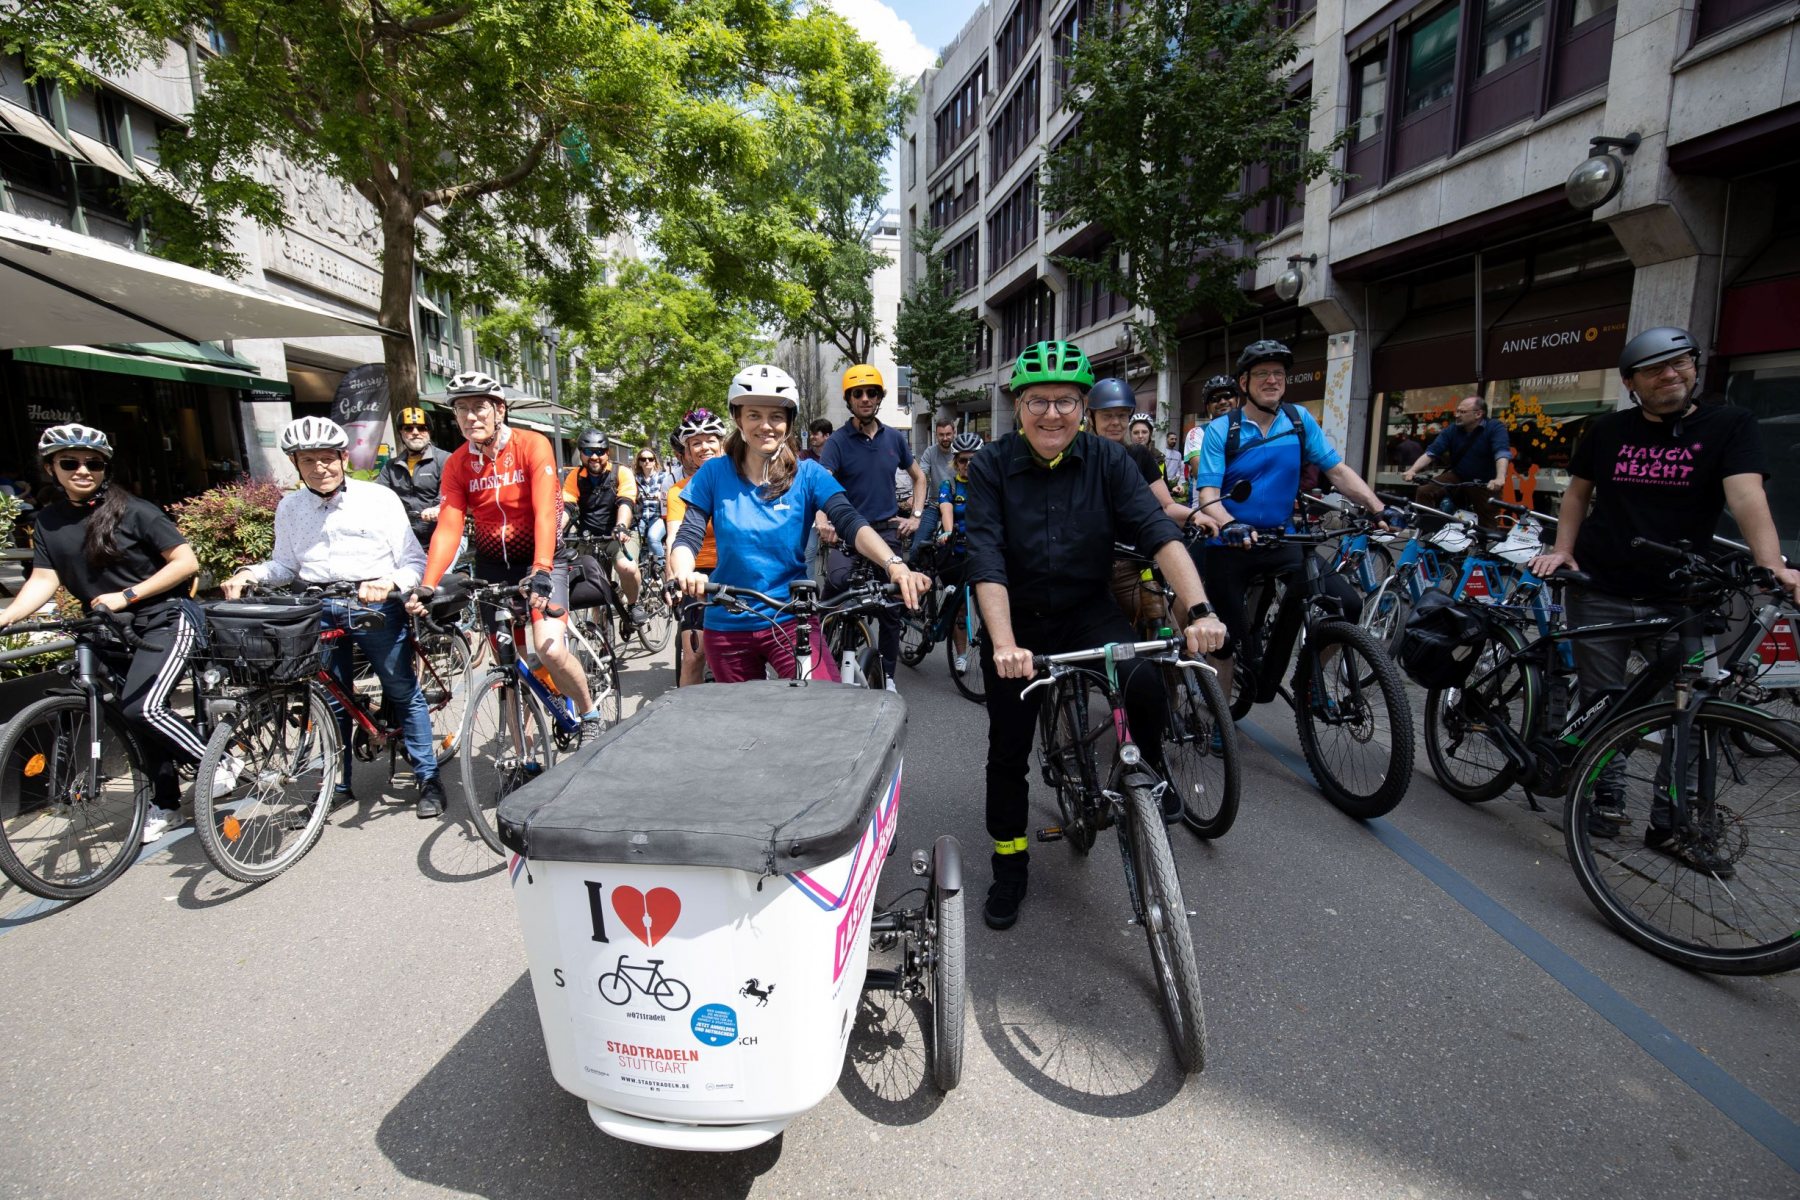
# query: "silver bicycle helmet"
[699,421]
[313,433]
[966,443]
[1655,346]
[475,383]
[73,437]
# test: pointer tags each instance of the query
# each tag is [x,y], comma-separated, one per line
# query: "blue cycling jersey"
[1271,463]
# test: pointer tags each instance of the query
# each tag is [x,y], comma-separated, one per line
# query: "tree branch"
[446,196]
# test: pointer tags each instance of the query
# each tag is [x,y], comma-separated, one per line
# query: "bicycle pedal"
[404,779]
[1052,834]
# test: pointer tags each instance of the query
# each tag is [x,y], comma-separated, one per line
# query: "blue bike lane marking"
[1718,1087]
[25,914]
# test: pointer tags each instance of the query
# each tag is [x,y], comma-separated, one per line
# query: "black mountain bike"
[942,612]
[1348,697]
[1128,797]
[1692,853]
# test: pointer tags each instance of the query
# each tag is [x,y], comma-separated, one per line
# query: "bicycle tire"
[29,747]
[971,683]
[915,630]
[1208,786]
[621,988]
[948,987]
[1361,797]
[1661,888]
[1480,772]
[494,764]
[1384,614]
[1782,704]
[1074,769]
[659,626]
[445,674]
[287,740]
[1162,910]
[602,675]
[670,988]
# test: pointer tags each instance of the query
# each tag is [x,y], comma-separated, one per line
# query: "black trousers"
[1012,719]
[146,679]
[838,566]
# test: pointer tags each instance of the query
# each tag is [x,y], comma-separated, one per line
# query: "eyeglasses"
[859,393]
[1277,375]
[1037,406]
[414,429]
[474,410]
[1680,365]
[97,466]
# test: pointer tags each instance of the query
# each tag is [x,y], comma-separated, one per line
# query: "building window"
[1016,32]
[1062,41]
[1368,96]
[1722,14]
[956,194]
[1092,303]
[1026,320]
[912,162]
[981,344]
[1430,52]
[1013,224]
[1289,13]
[1510,29]
[963,263]
[1508,49]
[959,116]
[1017,126]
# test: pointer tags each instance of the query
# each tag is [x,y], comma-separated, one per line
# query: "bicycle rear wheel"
[1204,776]
[601,670]
[970,682]
[659,624]
[1460,744]
[61,838]
[1354,721]
[1737,918]
[445,674]
[1068,761]
[915,630]
[1162,910]
[505,743]
[282,747]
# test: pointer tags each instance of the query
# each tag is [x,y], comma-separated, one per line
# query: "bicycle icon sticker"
[617,985]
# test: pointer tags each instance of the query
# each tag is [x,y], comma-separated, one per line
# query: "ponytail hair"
[99,543]
[782,467]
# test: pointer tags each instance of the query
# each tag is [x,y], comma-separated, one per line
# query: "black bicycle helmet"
[1654,346]
[1217,384]
[593,442]
[1111,393]
[1266,350]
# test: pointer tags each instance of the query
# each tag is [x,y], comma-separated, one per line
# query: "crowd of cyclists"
[1074,531]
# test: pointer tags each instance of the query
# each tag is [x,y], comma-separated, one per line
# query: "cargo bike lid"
[762,777]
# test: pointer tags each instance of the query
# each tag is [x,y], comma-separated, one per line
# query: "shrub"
[65,606]
[231,525]
[10,509]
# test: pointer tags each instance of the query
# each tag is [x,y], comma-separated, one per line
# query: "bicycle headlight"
[1130,755]
[212,677]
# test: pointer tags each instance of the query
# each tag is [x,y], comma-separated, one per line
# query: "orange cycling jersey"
[514,500]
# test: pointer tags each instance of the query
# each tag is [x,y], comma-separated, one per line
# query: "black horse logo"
[762,994]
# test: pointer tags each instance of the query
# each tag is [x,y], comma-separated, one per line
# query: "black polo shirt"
[1048,533]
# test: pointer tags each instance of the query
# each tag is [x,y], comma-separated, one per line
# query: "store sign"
[1306,382]
[361,407]
[1556,345]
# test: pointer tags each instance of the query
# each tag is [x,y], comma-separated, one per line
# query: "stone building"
[1451,262]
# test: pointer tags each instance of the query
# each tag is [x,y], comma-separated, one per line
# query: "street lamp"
[1601,174]
[1291,282]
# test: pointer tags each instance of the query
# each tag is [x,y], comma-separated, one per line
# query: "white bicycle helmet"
[966,443]
[73,437]
[313,433]
[1140,418]
[474,383]
[762,382]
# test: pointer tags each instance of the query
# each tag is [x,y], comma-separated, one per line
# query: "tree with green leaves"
[1176,102]
[931,335]
[524,126]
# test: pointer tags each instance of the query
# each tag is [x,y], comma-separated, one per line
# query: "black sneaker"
[1602,829]
[1689,854]
[1004,897]
[637,615]
[431,799]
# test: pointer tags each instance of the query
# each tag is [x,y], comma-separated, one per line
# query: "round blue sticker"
[715,1024]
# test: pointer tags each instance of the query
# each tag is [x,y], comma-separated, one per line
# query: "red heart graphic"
[649,918]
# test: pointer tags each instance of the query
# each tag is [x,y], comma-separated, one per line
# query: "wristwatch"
[130,595]
[892,559]
[1199,611]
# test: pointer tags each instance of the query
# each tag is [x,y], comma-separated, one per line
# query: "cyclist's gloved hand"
[1393,516]
[539,583]
[1238,533]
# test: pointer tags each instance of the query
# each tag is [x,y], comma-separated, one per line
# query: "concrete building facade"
[1449,261]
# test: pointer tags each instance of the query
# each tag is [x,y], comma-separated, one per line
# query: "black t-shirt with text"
[1649,483]
[143,535]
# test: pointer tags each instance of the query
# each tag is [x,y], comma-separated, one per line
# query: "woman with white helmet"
[761,500]
[115,551]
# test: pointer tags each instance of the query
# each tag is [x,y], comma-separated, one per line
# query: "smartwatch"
[130,595]
[1199,611]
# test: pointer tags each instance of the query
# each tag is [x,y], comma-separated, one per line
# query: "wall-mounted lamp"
[1601,174]
[1292,281]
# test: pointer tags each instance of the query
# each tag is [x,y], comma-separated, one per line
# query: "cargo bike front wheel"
[930,939]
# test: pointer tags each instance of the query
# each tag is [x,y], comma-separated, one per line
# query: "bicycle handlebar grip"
[1675,553]
[1387,499]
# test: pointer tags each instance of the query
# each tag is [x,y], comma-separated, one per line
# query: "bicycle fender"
[946,865]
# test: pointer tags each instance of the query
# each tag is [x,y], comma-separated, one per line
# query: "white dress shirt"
[358,533]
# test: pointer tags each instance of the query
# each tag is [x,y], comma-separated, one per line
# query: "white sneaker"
[962,663]
[161,821]
[890,686]
[227,773]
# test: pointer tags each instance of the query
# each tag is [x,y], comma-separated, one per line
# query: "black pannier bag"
[1441,643]
[271,640]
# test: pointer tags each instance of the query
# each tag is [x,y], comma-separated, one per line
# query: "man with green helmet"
[1045,506]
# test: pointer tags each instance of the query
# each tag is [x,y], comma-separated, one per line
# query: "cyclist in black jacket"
[416,473]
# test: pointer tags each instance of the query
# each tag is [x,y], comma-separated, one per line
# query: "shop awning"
[101,154]
[61,286]
[23,121]
[183,362]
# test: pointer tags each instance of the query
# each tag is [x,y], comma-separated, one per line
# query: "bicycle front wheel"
[601,670]
[970,681]
[947,986]
[1354,721]
[505,744]
[1200,751]
[1717,891]
[1460,739]
[281,748]
[1162,910]
[659,623]
[67,831]
[445,673]
[915,630]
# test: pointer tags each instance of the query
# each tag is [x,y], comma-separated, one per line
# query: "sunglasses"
[414,429]
[859,393]
[97,466]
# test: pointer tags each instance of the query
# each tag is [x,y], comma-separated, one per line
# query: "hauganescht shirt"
[1651,483]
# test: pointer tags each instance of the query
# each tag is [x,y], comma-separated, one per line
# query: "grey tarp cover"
[760,777]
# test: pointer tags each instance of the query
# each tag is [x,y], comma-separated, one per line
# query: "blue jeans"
[928,525]
[655,534]
[389,651]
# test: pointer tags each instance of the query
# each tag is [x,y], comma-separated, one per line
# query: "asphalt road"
[365,1025]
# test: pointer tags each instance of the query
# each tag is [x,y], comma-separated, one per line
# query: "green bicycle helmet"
[1052,362]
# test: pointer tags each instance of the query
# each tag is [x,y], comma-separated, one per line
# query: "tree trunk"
[399,249]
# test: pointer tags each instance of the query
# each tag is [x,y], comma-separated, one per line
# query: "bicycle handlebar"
[101,620]
[1166,649]
[728,596]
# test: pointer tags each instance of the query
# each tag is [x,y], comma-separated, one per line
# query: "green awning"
[151,362]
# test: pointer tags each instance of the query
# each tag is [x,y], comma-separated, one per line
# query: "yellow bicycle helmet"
[863,375]
[412,416]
